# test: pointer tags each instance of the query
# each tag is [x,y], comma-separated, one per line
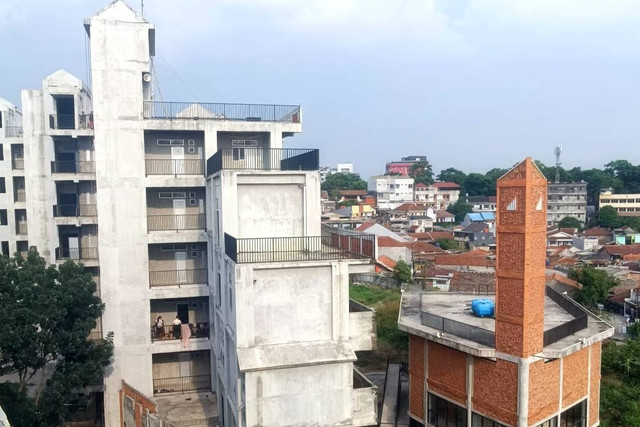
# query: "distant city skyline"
[472,85]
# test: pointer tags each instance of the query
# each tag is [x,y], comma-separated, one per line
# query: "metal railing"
[13,131]
[280,159]
[22,228]
[307,248]
[85,121]
[95,335]
[75,210]
[218,111]
[178,277]
[77,253]
[181,384]
[62,121]
[20,196]
[459,329]
[73,167]
[17,163]
[176,222]
[578,323]
[174,167]
[169,332]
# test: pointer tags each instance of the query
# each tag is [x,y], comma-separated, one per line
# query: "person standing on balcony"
[159,328]
[176,327]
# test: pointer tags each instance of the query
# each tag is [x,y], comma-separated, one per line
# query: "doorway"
[183,313]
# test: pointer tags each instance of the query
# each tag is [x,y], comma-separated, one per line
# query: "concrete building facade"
[566,200]
[391,191]
[535,362]
[439,195]
[624,204]
[118,181]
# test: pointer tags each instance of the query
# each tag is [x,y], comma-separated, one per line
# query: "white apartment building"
[232,246]
[13,214]
[624,204]
[391,191]
[438,195]
[566,200]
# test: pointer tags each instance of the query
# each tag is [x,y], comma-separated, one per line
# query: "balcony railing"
[22,228]
[578,323]
[17,163]
[279,159]
[181,384]
[178,277]
[169,332]
[331,245]
[176,222]
[216,111]
[73,167]
[95,335]
[83,253]
[174,167]
[74,210]
[67,121]
[13,131]
[20,196]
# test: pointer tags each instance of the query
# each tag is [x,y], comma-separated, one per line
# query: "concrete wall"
[396,253]
[321,393]
[184,364]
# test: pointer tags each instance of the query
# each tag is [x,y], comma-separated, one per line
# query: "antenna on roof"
[142,7]
[558,151]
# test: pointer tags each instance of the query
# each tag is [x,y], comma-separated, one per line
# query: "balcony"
[365,401]
[77,254]
[196,276]
[68,122]
[13,131]
[21,228]
[362,330]
[198,330]
[266,159]
[17,163]
[20,195]
[75,211]
[216,111]
[174,167]
[73,167]
[332,244]
[181,384]
[176,222]
[181,372]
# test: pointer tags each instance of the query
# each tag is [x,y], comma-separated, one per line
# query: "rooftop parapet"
[218,111]
[264,159]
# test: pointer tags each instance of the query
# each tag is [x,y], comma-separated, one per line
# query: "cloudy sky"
[473,84]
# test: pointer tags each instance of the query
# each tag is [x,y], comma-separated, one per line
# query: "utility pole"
[558,151]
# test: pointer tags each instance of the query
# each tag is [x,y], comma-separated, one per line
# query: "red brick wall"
[594,393]
[544,389]
[575,377]
[142,403]
[495,389]
[448,372]
[416,376]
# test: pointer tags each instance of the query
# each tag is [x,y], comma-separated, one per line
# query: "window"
[443,413]
[238,153]
[3,217]
[170,141]
[3,188]
[1,123]
[1,152]
[480,421]
[173,248]
[576,416]
[244,143]
[5,248]
[218,291]
[172,195]
[553,422]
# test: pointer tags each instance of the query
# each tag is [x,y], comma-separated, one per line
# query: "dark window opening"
[3,188]
[443,413]
[3,217]
[5,248]
[576,416]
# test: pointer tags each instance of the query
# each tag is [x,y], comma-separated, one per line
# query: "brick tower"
[520,267]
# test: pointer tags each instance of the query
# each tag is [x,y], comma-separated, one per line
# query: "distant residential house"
[409,214]
[326,205]
[394,249]
[604,236]
[626,236]
[559,238]
[616,252]
[475,234]
[482,203]
[444,217]
[356,211]
[384,264]
[438,195]
[439,278]
[352,195]
[391,191]
[562,284]
[586,243]
[432,236]
[465,262]
[488,218]
[371,227]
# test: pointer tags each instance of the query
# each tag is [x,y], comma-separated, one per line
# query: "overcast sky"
[472,84]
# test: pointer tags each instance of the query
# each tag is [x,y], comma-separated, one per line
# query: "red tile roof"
[446,185]
[444,214]
[435,271]
[406,207]
[424,247]
[365,225]
[353,192]
[472,282]
[433,235]
[389,242]
[421,185]
[386,262]
[463,259]
[597,231]
[563,279]
[621,249]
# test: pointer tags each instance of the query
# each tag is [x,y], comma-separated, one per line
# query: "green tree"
[620,385]
[422,173]
[477,184]
[627,173]
[607,217]
[493,175]
[47,314]
[595,285]
[453,175]
[343,181]
[570,222]
[460,209]
[447,244]
[402,272]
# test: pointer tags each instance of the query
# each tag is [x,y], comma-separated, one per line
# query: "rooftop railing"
[181,384]
[217,111]
[279,159]
[174,167]
[578,323]
[194,276]
[332,244]
[459,329]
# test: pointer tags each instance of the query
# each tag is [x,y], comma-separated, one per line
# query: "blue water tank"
[483,307]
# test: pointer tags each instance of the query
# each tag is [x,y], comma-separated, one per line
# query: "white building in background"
[325,171]
[391,191]
[118,181]
[344,168]
[13,215]
[566,200]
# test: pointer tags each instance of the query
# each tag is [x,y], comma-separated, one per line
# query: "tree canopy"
[47,314]
[460,209]
[402,272]
[595,285]
[343,181]
[570,222]
[422,173]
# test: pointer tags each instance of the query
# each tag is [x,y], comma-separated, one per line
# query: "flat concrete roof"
[457,307]
[197,408]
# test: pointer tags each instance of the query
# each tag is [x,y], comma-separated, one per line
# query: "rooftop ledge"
[264,159]
[222,111]
[446,318]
